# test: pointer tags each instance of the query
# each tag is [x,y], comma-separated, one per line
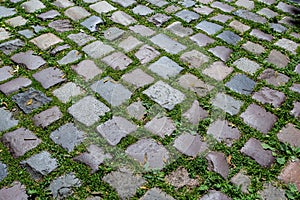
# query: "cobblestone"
[161,126]
[241,84]
[17,191]
[165,67]
[167,44]
[190,145]
[227,103]
[14,85]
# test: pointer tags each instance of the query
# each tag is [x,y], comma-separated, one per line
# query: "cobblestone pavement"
[149,99]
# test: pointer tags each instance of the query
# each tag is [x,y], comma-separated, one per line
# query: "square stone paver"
[142,30]
[270,96]
[6,120]
[273,77]
[81,38]
[49,77]
[156,193]
[217,163]
[247,65]
[209,27]
[218,71]
[4,34]
[5,73]
[61,25]
[113,33]
[67,91]
[20,141]
[254,48]
[51,14]
[88,110]
[202,39]
[11,45]
[169,45]
[118,179]
[161,126]
[288,45]
[291,173]
[247,15]
[31,100]
[130,44]
[278,59]
[159,3]
[71,57]
[240,83]
[97,49]
[221,52]
[46,40]
[17,191]
[114,93]
[126,3]
[6,12]
[142,10]
[47,117]
[261,35]
[63,3]
[87,69]
[190,145]
[76,13]
[122,18]
[164,95]
[29,59]
[258,118]
[290,134]
[195,113]
[146,53]
[138,78]
[271,192]
[178,29]
[16,21]
[229,37]
[102,7]
[92,23]
[14,85]
[32,5]
[117,61]
[296,110]
[195,59]
[180,178]
[67,136]
[159,19]
[136,110]
[165,67]
[187,15]
[156,154]
[115,129]
[241,180]
[227,103]
[222,6]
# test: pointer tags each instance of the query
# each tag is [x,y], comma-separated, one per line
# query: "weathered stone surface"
[47,117]
[221,18]
[159,3]
[180,178]
[190,145]
[32,5]
[113,92]
[156,193]
[247,65]
[278,27]
[40,164]
[194,58]
[240,83]
[142,30]
[296,110]
[295,87]
[10,46]
[195,113]
[117,61]
[49,15]
[273,77]
[14,85]
[115,129]
[178,29]
[156,154]
[62,186]
[169,45]
[113,33]
[122,18]
[97,49]
[26,33]
[253,148]
[46,40]
[245,14]
[241,180]
[239,26]
[142,10]
[16,21]
[227,103]
[130,44]
[164,95]
[289,134]
[291,173]
[161,126]
[209,27]
[4,34]
[81,38]
[6,12]
[5,73]
[253,48]
[272,193]
[229,37]
[67,91]
[63,3]
[221,52]
[187,15]
[146,53]
[92,23]
[288,45]
[202,39]
[49,77]
[76,13]
[267,13]
[218,71]
[17,191]
[3,171]
[118,179]
[138,78]
[159,19]
[6,120]
[88,110]
[61,25]
[261,35]
[222,6]
[191,82]
[125,4]
[29,59]
[136,110]
[217,163]
[20,141]
[222,131]
[94,157]
[213,194]
[165,67]
[87,69]
[31,100]
[59,49]
[267,95]
[102,7]
[72,56]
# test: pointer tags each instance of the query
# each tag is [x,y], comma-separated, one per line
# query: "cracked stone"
[94,157]
[146,53]
[195,113]
[117,61]
[161,126]
[169,45]
[17,191]
[20,141]
[180,178]
[15,85]
[247,65]
[138,78]
[241,84]
[149,153]
[190,145]
[165,67]
[97,49]
[46,40]
[49,77]
[273,77]
[156,193]
[267,95]
[66,92]
[115,129]
[10,46]
[227,103]
[87,69]
[241,180]
[218,71]
[221,52]
[194,58]
[88,110]
[289,134]
[6,120]
[253,148]
[164,95]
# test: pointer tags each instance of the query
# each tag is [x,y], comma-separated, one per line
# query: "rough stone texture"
[142,30]
[247,15]
[191,82]
[94,157]
[190,145]
[62,186]
[267,95]
[81,38]
[63,3]
[59,49]
[40,164]
[117,61]
[253,48]
[17,191]
[261,35]
[88,110]
[31,100]
[296,110]
[146,53]
[87,69]
[10,46]
[142,10]
[3,171]
[288,45]
[272,193]
[178,29]
[295,87]
[29,59]
[46,40]
[66,92]
[221,52]
[92,23]
[218,71]
[290,134]
[14,85]
[138,78]
[161,126]
[61,25]
[149,153]
[222,6]
[291,173]
[202,39]
[240,83]
[72,56]
[167,44]
[47,117]
[156,193]
[195,113]
[239,26]
[165,67]
[164,95]
[241,180]
[6,120]
[32,5]
[97,49]
[76,13]
[5,73]
[253,148]
[209,27]
[180,178]
[221,18]
[49,77]
[102,7]
[273,77]
[115,129]
[4,34]
[113,33]
[217,163]
[213,194]
[16,21]
[130,44]
[229,37]
[122,18]
[159,19]
[6,12]
[223,131]
[194,58]
[51,14]
[187,15]
[227,103]
[113,92]
[247,65]
[118,179]
[67,136]
[136,110]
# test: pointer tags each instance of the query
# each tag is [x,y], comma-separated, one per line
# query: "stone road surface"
[149,99]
